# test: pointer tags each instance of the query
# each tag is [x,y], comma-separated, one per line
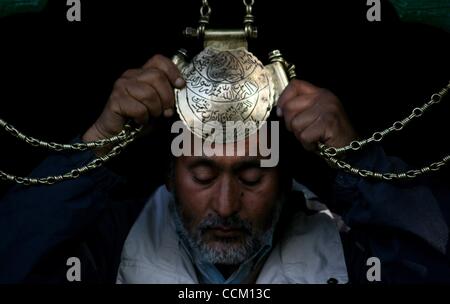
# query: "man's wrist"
[92,135]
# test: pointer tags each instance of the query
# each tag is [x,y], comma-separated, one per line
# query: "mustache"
[232,222]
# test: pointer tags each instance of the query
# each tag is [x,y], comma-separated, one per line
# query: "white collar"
[309,252]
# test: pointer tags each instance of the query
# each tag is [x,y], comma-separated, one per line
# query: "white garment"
[310,250]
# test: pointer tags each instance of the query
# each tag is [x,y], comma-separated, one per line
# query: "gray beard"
[231,253]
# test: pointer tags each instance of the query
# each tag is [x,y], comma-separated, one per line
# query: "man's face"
[227,204]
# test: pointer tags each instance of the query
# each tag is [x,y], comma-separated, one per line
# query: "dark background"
[55,76]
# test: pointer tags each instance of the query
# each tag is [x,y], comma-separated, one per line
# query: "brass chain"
[75,173]
[205,13]
[249,19]
[434,167]
[205,9]
[62,147]
[330,153]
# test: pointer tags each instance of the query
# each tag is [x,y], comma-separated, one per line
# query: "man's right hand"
[139,95]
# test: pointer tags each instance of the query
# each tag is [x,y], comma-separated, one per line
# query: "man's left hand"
[314,115]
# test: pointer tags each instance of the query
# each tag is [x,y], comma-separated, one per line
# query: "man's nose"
[228,197]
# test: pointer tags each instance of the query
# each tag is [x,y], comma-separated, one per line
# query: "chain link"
[75,173]
[205,9]
[330,153]
[340,164]
[249,19]
[248,6]
[64,147]
[205,13]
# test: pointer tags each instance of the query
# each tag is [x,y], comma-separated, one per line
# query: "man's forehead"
[222,161]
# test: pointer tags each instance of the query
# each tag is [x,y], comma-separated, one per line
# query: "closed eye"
[251,177]
[203,181]
[251,183]
[203,175]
